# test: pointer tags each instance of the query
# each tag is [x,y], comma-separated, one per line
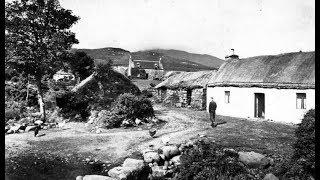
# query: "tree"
[37,34]
[81,64]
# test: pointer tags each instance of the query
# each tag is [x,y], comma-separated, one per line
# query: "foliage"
[146,94]
[81,64]
[302,163]
[206,160]
[129,107]
[36,35]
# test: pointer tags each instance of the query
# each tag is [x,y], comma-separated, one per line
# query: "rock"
[170,151]
[137,164]
[165,140]
[270,176]
[10,131]
[97,177]
[138,121]
[158,171]
[45,127]
[129,167]
[90,121]
[166,165]
[151,157]
[30,128]
[251,158]
[7,128]
[98,131]
[79,178]
[38,122]
[20,131]
[15,128]
[176,160]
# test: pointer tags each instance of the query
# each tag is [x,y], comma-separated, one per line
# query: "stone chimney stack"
[232,56]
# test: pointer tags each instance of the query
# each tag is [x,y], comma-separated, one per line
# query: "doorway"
[259,105]
[189,93]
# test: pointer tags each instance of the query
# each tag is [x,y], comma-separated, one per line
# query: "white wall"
[280,104]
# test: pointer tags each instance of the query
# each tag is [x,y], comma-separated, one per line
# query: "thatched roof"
[290,70]
[187,80]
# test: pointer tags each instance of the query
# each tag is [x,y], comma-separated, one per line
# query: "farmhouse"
[276,87]
[185,89]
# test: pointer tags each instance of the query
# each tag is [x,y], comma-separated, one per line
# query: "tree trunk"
[27,90]
[41,102]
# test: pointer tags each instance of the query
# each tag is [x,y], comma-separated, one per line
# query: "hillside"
[172,60]
[204,59]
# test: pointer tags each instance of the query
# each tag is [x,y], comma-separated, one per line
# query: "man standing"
[212,112]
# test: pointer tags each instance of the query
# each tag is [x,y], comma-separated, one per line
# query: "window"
[301,100]
[227,97]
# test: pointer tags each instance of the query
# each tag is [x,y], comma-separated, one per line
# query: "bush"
[302,163]
[129,107]
[206,160]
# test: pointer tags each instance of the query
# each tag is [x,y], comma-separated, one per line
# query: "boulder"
[231,152]
[79,178]
[15,128]
[176,160]
[129,167]
[10,131]
[158,172]
[270,176]
[30,128]
[170,151]
[138,121]
[151,156]
[96,177]
[136,164]
[7,128]
[252,159]
[38,122]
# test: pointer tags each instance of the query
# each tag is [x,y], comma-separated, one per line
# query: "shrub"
[302,163]
[129,107]
[206,160]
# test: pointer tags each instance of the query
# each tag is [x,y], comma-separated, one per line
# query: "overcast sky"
[251,27]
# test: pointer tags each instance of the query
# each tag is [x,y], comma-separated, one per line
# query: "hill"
[204,59]
[174,60]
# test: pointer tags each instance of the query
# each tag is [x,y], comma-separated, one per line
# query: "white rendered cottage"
[276,87]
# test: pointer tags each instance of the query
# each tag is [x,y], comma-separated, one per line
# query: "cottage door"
[259,105]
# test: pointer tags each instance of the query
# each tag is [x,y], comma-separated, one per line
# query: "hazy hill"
[203,59]
[171,59]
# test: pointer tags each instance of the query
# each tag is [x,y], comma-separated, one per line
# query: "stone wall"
[198,99]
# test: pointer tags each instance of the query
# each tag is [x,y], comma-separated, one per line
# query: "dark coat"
[212,106]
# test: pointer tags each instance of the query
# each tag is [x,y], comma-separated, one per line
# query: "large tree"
[81,64]
[36,35]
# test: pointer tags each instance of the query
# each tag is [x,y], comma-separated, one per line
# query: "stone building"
[185,89]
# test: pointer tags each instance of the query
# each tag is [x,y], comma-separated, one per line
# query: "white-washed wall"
[280,104]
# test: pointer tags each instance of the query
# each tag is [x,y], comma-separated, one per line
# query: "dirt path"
[108,145]
[182,125]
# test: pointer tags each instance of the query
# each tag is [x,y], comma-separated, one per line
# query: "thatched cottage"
[185,89]
[276,87]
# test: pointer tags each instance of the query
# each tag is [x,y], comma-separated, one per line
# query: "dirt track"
[182,125]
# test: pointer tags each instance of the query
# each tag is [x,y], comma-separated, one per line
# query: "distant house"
[186,89]
[145,69]
[276,87]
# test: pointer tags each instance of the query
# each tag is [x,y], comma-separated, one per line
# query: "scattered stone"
[20,131]
[166,165]
[45,127]
[97,177]
[7,128]
[79,178]
[170,151]
[15,128]
[150,157]
[136,164]
[158,171]
[231,152]
[138,121]
[10,131]
[251,158]
[98,131]
[38,122]
[129,166]
[270,176]
[119,172]
[176,160]
[90,121]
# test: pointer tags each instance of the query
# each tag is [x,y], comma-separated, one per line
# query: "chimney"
[232,56]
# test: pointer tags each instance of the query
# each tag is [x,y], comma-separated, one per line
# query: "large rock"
[170,151]
[38,122]
[30,128]
[96,177]
[131,168]
[151,156]
[176,160]
[15,128]
[251,158]
[160,172]
[270,176]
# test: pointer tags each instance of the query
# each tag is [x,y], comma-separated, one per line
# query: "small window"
[227,97]
[301,100]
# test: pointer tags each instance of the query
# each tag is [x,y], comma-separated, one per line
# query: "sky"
[251,27]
